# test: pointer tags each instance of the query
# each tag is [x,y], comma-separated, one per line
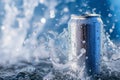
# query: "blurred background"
[56,13]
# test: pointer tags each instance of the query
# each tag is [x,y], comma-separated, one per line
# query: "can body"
[86,40]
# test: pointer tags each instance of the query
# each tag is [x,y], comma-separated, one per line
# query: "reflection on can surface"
[85,35]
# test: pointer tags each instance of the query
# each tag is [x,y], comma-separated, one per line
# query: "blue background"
[102,7]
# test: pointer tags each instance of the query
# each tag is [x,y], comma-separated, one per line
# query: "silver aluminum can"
[86,41]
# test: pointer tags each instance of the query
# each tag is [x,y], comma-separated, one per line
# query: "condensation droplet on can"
[83,42]
[83,50]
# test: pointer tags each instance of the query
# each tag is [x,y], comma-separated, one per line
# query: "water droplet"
[116,20]
[109,15]
[3,27]
[90,70]
[110,30]
[52,13]
[41,1]
[83,50]
[83,42]
[86,57]
[93,10]
[65,9]
[108,21]
[81,26]
[113,26]
[80,10]
[117,35]
[43,20]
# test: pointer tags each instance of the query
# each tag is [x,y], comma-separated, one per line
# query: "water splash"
[23,39]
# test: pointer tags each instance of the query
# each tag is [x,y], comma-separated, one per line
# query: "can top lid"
[83,16]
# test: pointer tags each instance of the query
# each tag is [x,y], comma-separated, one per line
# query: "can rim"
[83,16]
